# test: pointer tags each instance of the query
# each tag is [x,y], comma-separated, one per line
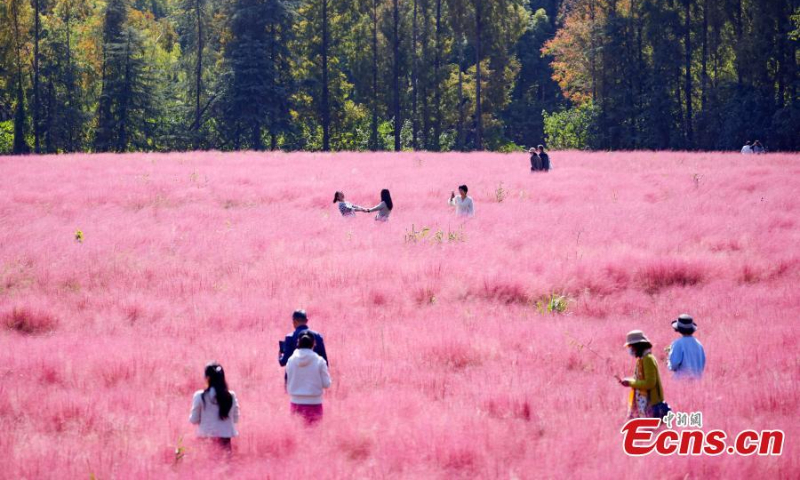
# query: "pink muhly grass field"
[444,358]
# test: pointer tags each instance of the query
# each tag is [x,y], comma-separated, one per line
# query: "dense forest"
[160,75]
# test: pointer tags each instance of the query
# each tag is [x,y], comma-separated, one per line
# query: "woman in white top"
[464,205]
[215,410]
[347,209]
[384,208]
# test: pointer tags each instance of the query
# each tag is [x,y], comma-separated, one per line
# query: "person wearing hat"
[536,161]
[289,344]
[687,359]
[647,394]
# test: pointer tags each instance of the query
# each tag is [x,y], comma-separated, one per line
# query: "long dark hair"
[216,379]
[336,196]
[386,197]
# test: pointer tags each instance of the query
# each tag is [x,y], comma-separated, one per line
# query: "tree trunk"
[592,50]
[782,34]
[704,60]
[478,111]
[437,95]
[398,124]
[425,73]
[414,80]
[70,80]
[738,28]
[374,136]
[326,120]
[198,72]
[273,140]
[688,73]
[122,140]
[36,93]
[461,99]
[20,146]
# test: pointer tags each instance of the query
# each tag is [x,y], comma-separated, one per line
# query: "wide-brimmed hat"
[636,336]
[684,323]
[532,150]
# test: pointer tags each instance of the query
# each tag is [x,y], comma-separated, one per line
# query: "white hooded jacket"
[307,376]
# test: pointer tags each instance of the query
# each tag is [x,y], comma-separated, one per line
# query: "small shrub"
[500,193]
[663,274]
[507,293]
[553,303]
[29,322]
[425,296]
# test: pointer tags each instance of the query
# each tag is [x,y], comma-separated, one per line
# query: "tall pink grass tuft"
[29,321]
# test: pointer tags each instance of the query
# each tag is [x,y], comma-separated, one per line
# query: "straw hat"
[636,336]
[684,323]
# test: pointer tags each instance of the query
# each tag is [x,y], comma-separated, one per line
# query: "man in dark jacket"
[289,344]
[545,158]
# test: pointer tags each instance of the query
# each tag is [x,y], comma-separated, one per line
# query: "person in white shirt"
[215,410]
[747,149]
[306,378]
[464,204]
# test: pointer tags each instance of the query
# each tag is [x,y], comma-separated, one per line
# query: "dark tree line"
[130,75]
[677,74]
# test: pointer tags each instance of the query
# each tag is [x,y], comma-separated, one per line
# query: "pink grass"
[443,364]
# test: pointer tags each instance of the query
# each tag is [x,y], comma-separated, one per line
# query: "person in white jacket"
[307,377]
[464,205]
[215,410]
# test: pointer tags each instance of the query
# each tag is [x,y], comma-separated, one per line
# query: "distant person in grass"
[687,358]
[215,410]
[758,148]
[288,345]
[347,209]
[536,160]
[307,378]
[747,149]
[464,204]
[384,208]
[647,394]
[544,157]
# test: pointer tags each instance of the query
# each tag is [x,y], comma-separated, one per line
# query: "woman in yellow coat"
[647,394]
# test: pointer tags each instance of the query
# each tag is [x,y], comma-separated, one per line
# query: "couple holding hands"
[384,208]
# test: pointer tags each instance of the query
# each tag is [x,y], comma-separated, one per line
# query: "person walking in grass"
[536,160]
[544,158]
[288,345]
[647,394]
[687,358]
[215,410]
[384,208]
[347,209]
[464,204]
[307,378]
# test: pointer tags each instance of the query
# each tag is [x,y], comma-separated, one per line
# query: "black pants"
[224,444]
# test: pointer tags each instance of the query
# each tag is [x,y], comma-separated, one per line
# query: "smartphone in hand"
[281,346]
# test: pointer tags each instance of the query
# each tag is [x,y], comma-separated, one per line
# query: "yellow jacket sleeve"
[650,374]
